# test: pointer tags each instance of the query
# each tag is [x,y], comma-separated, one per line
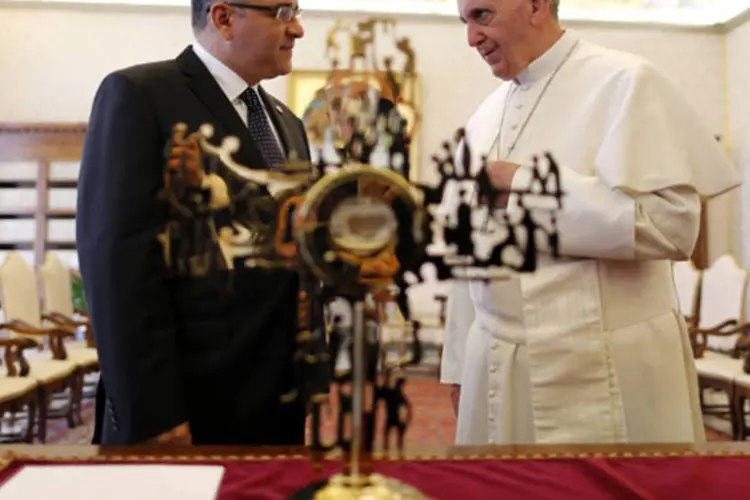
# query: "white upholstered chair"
[427,305]
[60,311]
[50,366]
[721,314]
[721,322]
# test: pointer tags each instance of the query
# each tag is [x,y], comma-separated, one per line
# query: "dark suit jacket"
[215,351]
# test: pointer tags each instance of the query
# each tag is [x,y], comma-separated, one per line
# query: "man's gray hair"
[199,14]
[554,7]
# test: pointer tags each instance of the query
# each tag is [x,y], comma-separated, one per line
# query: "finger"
[178,134]
[185,149]
[177,152]
[193,141]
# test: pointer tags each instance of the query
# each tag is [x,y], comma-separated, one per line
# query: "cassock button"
[514,127]
[495,345]
[491,441]
[494,367]
[519,106]
[492,418]
[491,394]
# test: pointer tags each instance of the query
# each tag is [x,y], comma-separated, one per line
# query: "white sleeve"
[667,224]
[459,318]
[599,222]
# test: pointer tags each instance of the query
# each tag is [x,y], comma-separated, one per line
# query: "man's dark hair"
[199,8]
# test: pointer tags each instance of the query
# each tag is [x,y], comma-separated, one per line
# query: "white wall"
[52,59]
[738,98]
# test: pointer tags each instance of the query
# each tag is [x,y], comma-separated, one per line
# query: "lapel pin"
[278,108]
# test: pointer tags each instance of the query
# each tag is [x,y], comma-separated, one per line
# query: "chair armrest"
[55,335]
[14,348]
[59,319]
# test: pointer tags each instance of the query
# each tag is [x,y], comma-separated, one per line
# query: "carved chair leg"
[742,426]
[31,408]
[79,398]
[738,406]
[43,401]
[72,384]
[440,361]
[734,413]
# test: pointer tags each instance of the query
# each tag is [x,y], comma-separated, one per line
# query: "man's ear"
[221,16]
[540,11]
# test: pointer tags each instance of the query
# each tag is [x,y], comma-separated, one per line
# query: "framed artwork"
[307,98]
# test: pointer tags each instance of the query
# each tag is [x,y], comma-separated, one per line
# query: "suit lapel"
[226,119]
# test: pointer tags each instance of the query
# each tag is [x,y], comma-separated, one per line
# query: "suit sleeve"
[599,222]
[119,219]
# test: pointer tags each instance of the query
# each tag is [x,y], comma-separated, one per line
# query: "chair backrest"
[723,293]
[423,305]
[56,285]
[687,282]
[18,291]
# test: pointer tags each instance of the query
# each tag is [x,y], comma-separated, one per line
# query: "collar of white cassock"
[545,64]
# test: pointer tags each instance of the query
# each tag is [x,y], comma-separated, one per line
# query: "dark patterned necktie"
[260,129]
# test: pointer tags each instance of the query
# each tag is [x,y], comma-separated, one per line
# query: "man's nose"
[295,28]
[474,36]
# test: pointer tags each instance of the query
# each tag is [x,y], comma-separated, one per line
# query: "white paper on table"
[114,482]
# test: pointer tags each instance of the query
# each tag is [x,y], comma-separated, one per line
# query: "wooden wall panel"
[47,150]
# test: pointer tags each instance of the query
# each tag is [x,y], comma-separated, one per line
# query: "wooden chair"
[18,391]
[741,392]
[427,306]
[721,310]
[721,321]
[59,311]
[51,367]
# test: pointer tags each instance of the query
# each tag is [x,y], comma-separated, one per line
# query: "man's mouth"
[487,52]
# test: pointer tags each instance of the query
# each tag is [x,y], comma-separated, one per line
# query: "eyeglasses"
[283,12]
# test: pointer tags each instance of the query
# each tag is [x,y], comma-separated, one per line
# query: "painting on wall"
[372,74]
[308,99]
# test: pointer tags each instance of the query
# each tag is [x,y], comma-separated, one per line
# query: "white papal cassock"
[591,347]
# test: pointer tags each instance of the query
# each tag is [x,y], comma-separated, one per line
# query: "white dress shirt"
[231,84]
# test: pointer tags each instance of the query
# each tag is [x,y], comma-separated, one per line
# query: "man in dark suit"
[205,359]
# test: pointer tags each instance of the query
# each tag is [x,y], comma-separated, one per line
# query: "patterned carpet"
[433,424]
[58,432]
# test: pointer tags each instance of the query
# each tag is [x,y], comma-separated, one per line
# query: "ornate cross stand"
[351,234]
[352,231]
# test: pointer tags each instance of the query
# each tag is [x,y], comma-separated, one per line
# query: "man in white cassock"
[590,348]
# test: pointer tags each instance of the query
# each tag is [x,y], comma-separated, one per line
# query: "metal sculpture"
[357,234]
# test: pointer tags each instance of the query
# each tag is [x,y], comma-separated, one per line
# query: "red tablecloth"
[724,478]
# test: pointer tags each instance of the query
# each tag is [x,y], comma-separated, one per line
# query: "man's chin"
[284,68]
[501,71]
